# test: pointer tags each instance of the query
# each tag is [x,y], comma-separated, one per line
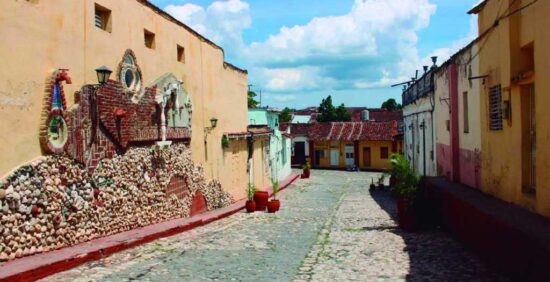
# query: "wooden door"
[366,157]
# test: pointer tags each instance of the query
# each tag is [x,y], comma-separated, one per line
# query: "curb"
[38,266]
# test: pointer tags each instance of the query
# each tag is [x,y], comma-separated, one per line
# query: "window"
[102,18]
[384,152]
[129,74]
[181,54]
[495,108]
[465,112]
[149,39]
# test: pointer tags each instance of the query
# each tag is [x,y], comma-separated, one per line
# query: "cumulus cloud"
[284,98]
[372,45]
[222,21]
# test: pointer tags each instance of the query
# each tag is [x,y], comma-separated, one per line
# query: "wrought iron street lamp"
[103,74]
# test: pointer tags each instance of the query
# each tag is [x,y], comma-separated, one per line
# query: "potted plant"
[261,198]
[406,191]
[381,181]
[274,204]
[372,186]
[250,203]
[306,170]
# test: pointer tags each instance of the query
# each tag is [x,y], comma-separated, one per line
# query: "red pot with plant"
[306,170]
[274,204]
[250,206]
[250,203]
[406,215]
[406,191]
[261,198]
[393,180]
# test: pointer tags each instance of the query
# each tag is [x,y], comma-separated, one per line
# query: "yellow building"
[515,62]
[48,41]
[365,145]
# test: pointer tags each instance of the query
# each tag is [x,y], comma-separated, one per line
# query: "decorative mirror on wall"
[129,73]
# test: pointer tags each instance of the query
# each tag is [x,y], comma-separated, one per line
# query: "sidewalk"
[41,265]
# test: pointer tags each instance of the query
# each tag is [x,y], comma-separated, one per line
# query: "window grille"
[495,109]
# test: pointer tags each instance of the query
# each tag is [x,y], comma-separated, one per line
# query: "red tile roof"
[353,131]
[300,128]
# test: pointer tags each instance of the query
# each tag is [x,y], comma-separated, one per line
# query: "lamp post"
[103,74]
[208,130]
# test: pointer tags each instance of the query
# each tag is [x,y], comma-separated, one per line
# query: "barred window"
[495,108]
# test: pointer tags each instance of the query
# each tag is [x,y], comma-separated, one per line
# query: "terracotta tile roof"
[283,126]
[300,129]
[353,131]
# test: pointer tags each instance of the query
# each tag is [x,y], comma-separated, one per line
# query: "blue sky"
[299,51]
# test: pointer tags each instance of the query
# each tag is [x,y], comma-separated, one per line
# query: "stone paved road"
[330,228]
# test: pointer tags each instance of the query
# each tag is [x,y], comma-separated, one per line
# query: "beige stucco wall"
[502,157]
[42,36]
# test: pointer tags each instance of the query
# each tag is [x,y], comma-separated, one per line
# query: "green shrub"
[407,178]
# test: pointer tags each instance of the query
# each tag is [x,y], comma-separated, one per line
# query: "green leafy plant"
[250,191]
[275,185]
[306,166]
[407,178]
[225,141]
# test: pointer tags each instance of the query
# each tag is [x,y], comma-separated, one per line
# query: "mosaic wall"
[103,173]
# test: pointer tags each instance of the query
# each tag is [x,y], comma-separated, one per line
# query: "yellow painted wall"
[41,36]
[376,160]
[501,157]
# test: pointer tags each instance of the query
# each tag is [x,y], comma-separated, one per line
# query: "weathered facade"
[279,144]
[457,118]
[87,157]
[514,61]
[419,123]
[76,37]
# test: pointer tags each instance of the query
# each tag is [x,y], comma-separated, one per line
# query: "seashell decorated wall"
[54,202]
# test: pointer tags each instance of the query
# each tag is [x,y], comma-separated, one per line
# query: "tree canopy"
[391,105]
[252,103]
[328,113]
[286,115]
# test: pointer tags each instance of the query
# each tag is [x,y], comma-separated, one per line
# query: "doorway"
[366,157]
[300,152]
[350,155]
[334,157]
[529,136]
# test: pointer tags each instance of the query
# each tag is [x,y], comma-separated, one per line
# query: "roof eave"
[477,8]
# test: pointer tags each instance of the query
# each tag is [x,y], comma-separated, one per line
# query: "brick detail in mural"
[178,187]
[106,120]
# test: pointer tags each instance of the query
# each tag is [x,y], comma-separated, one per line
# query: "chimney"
[434,61]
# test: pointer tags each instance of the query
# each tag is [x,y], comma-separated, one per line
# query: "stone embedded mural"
[104,173]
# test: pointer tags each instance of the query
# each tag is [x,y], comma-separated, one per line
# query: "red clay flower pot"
[273,206]
[250,206]
[305,173]
[261,198]
[406,215]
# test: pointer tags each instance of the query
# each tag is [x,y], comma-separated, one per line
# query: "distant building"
[418,117]
[301,131]
[365,145]
[277,151]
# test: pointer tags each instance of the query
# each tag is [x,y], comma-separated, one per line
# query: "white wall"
[416,137]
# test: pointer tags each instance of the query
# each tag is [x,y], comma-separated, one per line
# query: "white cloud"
[284,98]
[371,46]
[367,47]
[222,21]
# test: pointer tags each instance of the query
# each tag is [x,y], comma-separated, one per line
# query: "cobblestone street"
[329,228]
